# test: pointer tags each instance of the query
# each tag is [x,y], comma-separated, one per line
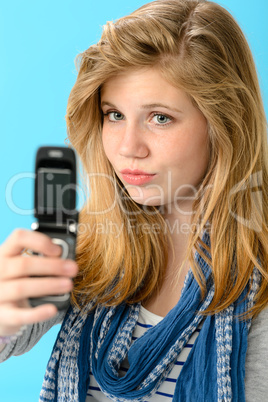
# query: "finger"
[36,241]
[12,318]
[25,288]
[21,267]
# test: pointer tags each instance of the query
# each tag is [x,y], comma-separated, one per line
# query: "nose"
[133,142]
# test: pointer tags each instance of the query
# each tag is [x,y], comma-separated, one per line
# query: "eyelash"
[154,115]
[110,112]
[170,119]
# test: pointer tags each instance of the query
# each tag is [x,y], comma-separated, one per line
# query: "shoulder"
[259,324]
[256,378]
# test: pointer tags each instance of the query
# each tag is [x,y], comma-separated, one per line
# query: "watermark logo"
[253,204]
[169,199]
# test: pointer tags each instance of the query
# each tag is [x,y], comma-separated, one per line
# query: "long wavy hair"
[198,47]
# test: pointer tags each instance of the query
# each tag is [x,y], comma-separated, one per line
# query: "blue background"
[38,42]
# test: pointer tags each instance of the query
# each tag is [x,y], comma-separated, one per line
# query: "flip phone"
[55,206]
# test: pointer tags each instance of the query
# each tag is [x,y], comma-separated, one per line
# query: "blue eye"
[161,118]
[115,116]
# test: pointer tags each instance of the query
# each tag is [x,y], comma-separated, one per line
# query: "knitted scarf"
[99,341]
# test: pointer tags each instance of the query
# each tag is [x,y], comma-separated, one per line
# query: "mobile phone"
[55,206]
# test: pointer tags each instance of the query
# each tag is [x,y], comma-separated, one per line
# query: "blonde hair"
[199,47]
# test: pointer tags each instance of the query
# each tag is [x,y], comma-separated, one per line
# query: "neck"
[168,296]
[180,228]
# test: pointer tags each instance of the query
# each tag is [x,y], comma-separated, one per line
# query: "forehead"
[140,84]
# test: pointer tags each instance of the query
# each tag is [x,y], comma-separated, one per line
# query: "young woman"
[170,299]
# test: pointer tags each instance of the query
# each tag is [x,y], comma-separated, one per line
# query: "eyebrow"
[152,105]
[149,106]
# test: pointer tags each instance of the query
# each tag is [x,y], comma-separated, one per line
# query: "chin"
[151,199]
[148,206]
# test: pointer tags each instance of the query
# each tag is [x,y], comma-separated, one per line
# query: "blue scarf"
[100,340]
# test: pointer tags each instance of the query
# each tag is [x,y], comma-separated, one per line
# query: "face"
[155,138]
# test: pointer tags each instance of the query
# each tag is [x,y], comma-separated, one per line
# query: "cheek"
[107,144]
[195,147]
[190,155]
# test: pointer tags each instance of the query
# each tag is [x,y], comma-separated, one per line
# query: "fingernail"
[66,283]
[70,266]
[56,249]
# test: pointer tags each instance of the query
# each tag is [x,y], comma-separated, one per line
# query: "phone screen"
[55,191]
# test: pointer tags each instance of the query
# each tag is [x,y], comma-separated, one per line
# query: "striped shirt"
[166,390]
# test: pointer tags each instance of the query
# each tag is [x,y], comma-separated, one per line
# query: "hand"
[22,277]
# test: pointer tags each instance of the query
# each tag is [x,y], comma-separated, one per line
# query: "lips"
[136,177]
